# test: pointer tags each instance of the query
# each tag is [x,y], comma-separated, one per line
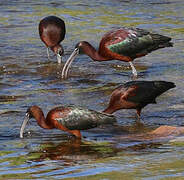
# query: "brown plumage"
[124,44]
[71,119]
[136,95]
[52,32]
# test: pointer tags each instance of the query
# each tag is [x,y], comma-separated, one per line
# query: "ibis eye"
[27,114]
[61,51]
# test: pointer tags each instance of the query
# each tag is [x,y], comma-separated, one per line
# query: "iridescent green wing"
[129,42]
[135,42]
[82,119]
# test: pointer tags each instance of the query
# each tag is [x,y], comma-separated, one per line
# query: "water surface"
[28,78]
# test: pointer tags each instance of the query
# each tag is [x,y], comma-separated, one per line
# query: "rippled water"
[28,77]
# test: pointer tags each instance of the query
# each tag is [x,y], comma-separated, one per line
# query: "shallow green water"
[28,77]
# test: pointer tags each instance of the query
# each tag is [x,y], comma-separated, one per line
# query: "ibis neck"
[89,50]
[41,120]
[55,48]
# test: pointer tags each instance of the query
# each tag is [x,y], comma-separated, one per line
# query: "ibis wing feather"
[133,42]
[146,91]
[52,30]
[82,119]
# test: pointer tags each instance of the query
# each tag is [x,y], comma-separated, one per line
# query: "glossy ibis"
[124,44]
[71,119]
[52,32]
[136,95]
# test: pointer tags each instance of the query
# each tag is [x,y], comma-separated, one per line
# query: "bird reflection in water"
[75,151]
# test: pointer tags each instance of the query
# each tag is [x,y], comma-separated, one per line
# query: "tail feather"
[159,41]
[160,38]
[167,44]
[164,85]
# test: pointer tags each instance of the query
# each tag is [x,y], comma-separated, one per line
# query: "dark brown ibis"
[124,44]
[71,119]
[136,95]
[52,32]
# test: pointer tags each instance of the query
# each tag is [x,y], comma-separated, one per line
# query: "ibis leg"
[133,69]
[59,59]
[138,114]
[76,133]
[48,53]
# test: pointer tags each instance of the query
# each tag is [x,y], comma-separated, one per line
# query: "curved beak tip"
[59,58]
[23,125]
[21,136]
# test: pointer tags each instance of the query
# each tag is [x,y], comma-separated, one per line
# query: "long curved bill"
[68,63]
[24,125]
